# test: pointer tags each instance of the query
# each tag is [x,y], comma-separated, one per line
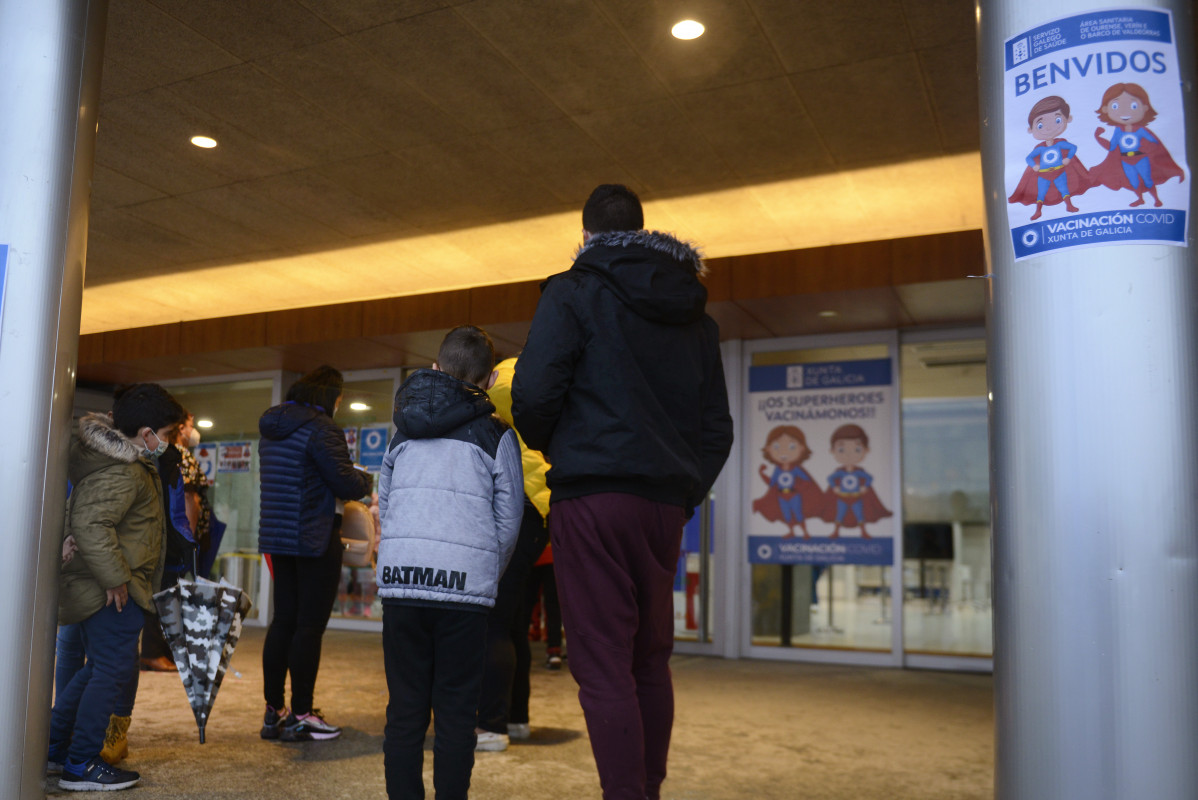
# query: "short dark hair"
[321,387]
[612,207]
[144,405]
[467,354]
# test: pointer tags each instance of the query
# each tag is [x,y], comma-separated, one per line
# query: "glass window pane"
[233,408]
[364,404]
[946,499]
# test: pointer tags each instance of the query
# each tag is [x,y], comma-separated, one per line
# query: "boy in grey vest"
[451,497]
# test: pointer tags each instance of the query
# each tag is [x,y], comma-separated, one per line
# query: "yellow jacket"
[535,465]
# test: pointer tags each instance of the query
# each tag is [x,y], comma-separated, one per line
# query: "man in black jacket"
[621,387]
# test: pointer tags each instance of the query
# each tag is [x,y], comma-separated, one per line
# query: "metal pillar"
[1094,476]
[50,59]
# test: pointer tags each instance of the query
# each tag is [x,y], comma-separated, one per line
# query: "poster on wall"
[1094,134]
[818,463]
[373,445]
[351,441]
[234,456]
[205,455]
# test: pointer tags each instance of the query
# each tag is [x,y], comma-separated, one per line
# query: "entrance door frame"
[733,550]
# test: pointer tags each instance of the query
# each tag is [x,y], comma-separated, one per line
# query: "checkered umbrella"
[201,621]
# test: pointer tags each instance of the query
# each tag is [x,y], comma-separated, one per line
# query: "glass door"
[226,414]
[365,416]
[947,614]
[820,500]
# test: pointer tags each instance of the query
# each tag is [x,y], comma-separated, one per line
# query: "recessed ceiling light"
[204,423]
[687,29]
[829,313]
[358,407]
[206,142]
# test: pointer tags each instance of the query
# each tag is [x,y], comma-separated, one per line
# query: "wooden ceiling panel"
[938,22]
[342,354]
[146,48]
[759,129]
[655,142]
[953,85]
[571,50]
[318,196]
[892,89]
[250,30]
[813,34]
[568,161]
[361,14]
[446,59]
[353,87]
[111,189]
[405,315]
[296,132]
[272,223]
[735,51]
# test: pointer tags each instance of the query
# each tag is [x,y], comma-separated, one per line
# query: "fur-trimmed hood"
[653,273]
[98,445]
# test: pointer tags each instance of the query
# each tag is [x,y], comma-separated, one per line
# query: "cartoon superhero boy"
[1054,173]
[1136,159]
[850,486]
[792,495]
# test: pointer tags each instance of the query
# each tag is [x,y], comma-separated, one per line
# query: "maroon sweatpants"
[615,556]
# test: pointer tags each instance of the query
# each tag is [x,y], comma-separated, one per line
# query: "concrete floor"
[744,729]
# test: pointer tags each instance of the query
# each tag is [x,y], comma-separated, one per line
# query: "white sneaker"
[490,742]
[518,731]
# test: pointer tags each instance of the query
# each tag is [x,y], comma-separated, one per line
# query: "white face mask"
[193,438]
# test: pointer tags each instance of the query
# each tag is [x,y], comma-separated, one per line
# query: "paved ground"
[744,729]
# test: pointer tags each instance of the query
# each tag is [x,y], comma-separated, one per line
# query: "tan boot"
[116,742]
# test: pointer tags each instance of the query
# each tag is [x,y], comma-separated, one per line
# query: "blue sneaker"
[95,776]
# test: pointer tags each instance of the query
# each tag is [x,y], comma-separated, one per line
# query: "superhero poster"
[1094,134]
[819,479]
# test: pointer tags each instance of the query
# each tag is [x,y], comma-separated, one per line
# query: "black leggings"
[304,592]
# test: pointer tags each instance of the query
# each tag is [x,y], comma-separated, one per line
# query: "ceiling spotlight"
[207,142]
[204,423]
[687,29]
[355,406]
[829,313]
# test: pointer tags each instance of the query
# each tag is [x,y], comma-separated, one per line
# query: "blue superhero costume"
[851,501]
[1136,160]
[1048,180]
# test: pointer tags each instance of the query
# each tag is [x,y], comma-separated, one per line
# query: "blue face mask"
[157,451]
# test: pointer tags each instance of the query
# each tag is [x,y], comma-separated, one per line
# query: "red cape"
[1162,167]
[871,508]
[813,502]
[1077,178]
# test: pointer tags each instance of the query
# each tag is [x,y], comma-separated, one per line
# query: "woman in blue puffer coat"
[306,472]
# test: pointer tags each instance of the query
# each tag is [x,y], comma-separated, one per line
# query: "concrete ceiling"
[374,148]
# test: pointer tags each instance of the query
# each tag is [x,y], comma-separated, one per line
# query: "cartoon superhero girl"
[793,495]
[850,488]
[1136,159]
[1054,173]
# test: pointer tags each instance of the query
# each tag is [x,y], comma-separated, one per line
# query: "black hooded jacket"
[620,384]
